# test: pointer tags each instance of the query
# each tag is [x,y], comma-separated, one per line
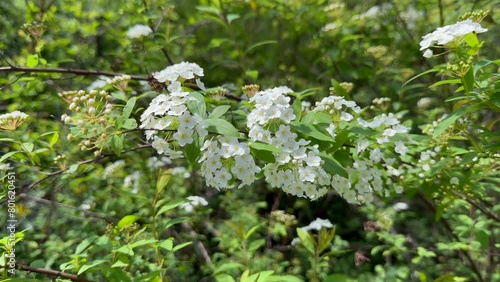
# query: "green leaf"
[180,246]
[297,108]
[32,61]
[127,110]
[171,206]
[316,117]
[257,244]
[54,139]
[252,230]
[223,277]
[126,221]
[219,111]
[28,147]
[142,243]
[264,147]
[84,245]
[244,275]
[332,166]
[197,105]
[122,261]
[222,127]
[261,43]
[447,81]
[192,152]
[448,121]
[228,266]
[164,177]
[117,144]
[129,124]
[325,238]
[307,240]
[7,155]
[311,131]
[253,74]
[125,249]
[232,17]
[90,266]
[167,244]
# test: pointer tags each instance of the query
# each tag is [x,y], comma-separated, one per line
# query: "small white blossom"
[139,30]
[194,201]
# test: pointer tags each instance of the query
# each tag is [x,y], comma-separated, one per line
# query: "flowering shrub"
[107,170]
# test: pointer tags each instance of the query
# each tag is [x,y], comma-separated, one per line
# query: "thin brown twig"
[51,273]
[68,70]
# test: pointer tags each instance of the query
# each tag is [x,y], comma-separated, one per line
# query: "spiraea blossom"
[447,34]
[194,201]
[366,175]
[12,121]
[226,161]
[169,112]
[139,30]
[174,75]
[298,168]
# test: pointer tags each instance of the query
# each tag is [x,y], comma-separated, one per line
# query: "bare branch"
[68,70]
[51,273]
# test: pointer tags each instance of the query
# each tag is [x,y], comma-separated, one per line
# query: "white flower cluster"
[183,70]
[194,201]
[446,34]
[316,224]
[224,160]
[365,175]
[298,168]
[155,163]
[13,120]
[139,30]
[170,112]
[428,159]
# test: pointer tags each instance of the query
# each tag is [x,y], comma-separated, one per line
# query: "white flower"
[401,206]
[428,53]
[111,169]
[139,30]
[446,34]
[194,201]
[13,120]
[317,224]
[183,70]
[400,148]
[454,181]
